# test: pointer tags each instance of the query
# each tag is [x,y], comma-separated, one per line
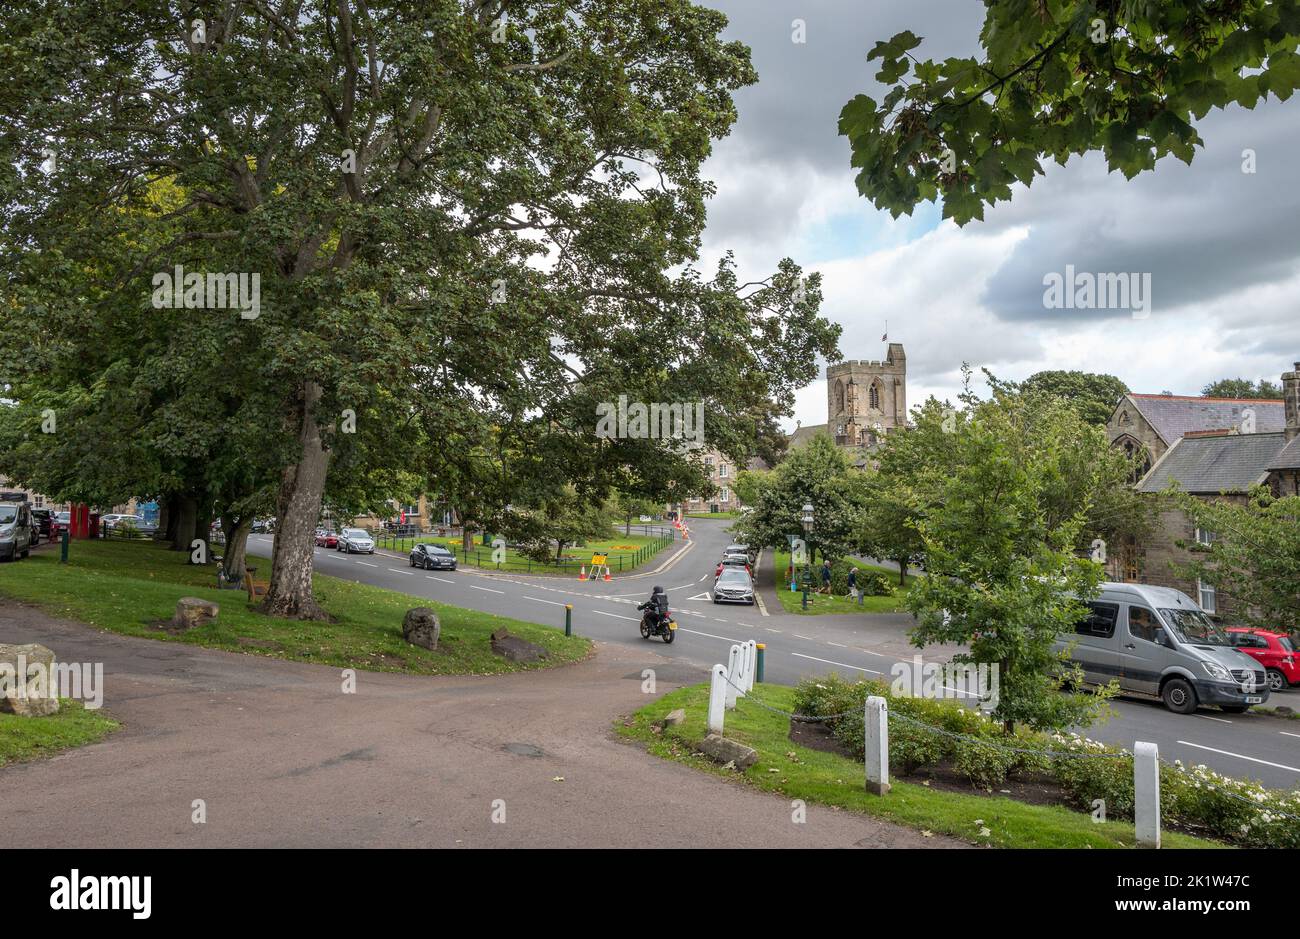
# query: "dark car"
[433,557]
[15,530]
[46,523]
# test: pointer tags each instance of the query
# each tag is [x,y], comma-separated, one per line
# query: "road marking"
[443,579]
[809,638]
[840,664]
[701,596]
[1206,717]
[398,570]
[619,616]
[710,635]
[840,644]
[1240,756]
[747,625]
[367,563]
[771,630]
[1286,734]
[540,600]
[486,589]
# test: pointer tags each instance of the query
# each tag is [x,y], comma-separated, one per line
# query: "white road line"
[367,563]
[1206,717]
[1287,734]
[771,630]
[1240,756]
[618,616]
[840,664]
[443,579]
[809,638]
[486,589]
[540,600]
[840,644]
[709,635]
[747,625]
[398,570]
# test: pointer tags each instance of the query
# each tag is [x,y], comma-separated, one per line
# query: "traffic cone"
[582,574]
[607,577]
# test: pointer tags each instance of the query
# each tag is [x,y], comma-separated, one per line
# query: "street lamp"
[807,520]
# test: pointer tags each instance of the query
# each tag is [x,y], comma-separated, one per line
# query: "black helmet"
[657,590]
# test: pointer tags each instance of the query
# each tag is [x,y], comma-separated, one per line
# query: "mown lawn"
[625,553]
[126,587]
[830,779]
[30,738]
[820,603]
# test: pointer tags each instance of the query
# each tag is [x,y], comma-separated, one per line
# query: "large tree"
[460,213]
[1092,394]
[1242,388]
[1060,77]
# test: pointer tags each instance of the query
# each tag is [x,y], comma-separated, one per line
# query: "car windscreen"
[733,577]
[8,513]
[1285,643]
[355,533]
[437,549]
[1195,627]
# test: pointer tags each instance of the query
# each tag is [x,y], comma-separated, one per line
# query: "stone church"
[865,400]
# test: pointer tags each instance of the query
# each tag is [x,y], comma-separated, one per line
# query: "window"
[1205,536]
[873,396]
[1205,594]
[1142,623]
[722,469]
[708,463]
[1128,561]
[723,496]
[40,502]
[839,396]
[1100,620]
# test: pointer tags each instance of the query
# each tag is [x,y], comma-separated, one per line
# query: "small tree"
[1254,556]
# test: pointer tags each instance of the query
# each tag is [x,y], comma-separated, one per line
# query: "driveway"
[282,757]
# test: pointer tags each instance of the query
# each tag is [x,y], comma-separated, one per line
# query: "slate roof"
[803,434]
[1172,416]
[1288,458]
[1210,465]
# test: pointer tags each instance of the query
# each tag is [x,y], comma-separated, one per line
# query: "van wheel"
[1179,696]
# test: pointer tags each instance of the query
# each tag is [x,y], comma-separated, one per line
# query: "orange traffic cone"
[607,577]
[582,574]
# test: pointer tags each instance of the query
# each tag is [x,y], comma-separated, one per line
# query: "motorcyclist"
[656,607]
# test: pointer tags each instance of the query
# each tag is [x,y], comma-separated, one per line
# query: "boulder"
[192,612]
[675,717]
[23,691]
[421,627]
[724,751]
[514,649]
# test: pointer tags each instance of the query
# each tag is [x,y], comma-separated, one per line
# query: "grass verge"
[125,587]
[797,772]
[820,603]
[30,738]
[625,554]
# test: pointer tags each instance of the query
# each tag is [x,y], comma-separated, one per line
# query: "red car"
[326,539]
[1273,650]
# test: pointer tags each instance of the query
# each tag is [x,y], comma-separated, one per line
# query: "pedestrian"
[853,584]
[826,576]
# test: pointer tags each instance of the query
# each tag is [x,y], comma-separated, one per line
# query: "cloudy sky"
[1222,246]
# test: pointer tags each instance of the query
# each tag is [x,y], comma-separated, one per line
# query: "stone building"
[865,400]
[722,474]
[1223,461]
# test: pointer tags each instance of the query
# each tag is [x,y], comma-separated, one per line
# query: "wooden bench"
[256,588]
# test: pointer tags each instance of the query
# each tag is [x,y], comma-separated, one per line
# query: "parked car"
[121,521]
[355,539]
[433,557]
[734,586]
[263,525]
[740,562]
[741,549]
[326,539]
[1274,651]
[15,530]
[46,524]
[1159,644]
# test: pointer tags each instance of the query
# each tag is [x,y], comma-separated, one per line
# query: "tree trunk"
[466,538]
[233,559]
[164,530]
[302,488]
[902,572]
[173,518]
[186,518]
[627,530]
[203,525]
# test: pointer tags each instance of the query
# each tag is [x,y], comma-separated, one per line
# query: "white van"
[1159,644]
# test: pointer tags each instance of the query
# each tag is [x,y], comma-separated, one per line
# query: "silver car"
[1159,644]
[733,586]
[355,540]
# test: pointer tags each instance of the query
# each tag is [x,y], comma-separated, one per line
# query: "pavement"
[1251,745]
[281,757]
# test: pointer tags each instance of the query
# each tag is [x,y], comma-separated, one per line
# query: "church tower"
[866,400]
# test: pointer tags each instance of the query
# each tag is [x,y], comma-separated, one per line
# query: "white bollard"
[717,698]
[733,673]
[752,665]
[1146,794]
[877,739]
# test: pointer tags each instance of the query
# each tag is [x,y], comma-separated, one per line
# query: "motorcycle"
[653,624]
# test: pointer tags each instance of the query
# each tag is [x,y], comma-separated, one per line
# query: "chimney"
[1291,399]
